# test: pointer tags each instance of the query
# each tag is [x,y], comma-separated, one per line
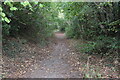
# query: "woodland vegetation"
[96,23]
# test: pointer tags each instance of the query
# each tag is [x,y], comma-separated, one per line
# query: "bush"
[94,22]
[103,45]
[26,19]
[6,29]
[69,32]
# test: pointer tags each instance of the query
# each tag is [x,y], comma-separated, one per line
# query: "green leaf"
[41,5]
[2,19]
[87,75]
[25,3]
[36,2]
[7,20]
[8,3]
[2,14]
[13,8]
[114,23]
[1,9]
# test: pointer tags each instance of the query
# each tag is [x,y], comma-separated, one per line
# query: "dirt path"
[56,65]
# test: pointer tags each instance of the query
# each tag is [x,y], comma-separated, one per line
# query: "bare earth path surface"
[57,64]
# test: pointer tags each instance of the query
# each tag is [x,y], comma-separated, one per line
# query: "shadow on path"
[56,66]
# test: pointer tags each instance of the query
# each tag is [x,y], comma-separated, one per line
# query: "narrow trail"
[56,65]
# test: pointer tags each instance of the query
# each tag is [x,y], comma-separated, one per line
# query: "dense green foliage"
[94,26]
[26,19]
[97,23]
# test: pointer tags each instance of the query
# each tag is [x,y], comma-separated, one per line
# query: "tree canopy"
[96,22]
